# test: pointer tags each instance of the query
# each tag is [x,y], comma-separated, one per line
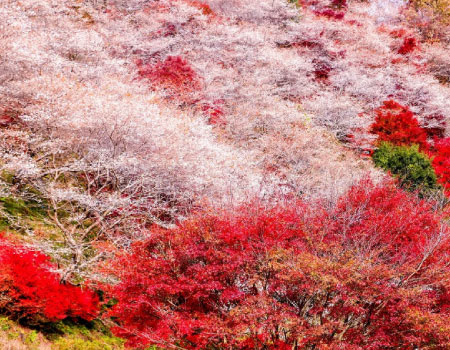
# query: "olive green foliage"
[440,8]
[32,337]
[431,18]
[19,207]
[408,164]
[11,331]
[75,342]
[13,209]
[93,336]
[64,335]
[296,2]
[29,207]
[5,324]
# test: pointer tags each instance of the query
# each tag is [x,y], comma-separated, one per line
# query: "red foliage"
[174,73]
[339,3]
[9,117]
[398,33]
[5,120]
[321,70]
[397,124]
[441,162]
[168,29]
[368,274]
[384,218]
[354,22]
[398,60]
[206,10]
[435,125]
[330,13]
[309,44]
[215,114]
[31,292]
[409,45]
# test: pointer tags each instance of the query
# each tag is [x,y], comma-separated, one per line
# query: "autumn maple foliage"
[396,124]
[31,292]
[409,45]
[203,7]
[369,273]
[441,162]
[174,73]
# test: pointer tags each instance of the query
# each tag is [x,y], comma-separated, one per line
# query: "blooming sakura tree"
[370,273]
[269,69]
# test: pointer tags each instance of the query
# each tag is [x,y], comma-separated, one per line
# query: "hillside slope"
[119,116]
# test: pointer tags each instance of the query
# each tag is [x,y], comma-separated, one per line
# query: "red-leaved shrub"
[322,70]
[330,13]
[206,10]
[30,291]
[435,125]
[409,45]
[398,33]
[8,117]
[371,273]
[5,120]
[339,3]
[441,162]
[214,114]
[168,29]
[396,124]
[174,73]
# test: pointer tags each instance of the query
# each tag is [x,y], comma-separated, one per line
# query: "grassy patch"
[21,211]
[92,336]
[64,335]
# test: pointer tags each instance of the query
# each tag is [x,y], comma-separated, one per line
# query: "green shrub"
[408,164]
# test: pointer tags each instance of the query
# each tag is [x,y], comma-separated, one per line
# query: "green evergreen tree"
[412,167]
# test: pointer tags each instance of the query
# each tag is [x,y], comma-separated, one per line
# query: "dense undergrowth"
[224,175]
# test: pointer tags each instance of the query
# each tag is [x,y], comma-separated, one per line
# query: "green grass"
[92,336]
[63,335]
[79,342]
[22,208]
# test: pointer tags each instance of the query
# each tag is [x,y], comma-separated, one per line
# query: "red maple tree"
[409,44]
[174,73]
[397,124]
[441,162]
[369,273]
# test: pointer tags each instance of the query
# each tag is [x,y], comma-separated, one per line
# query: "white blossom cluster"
[70,66]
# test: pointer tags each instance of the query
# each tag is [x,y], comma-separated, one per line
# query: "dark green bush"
[412,167]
